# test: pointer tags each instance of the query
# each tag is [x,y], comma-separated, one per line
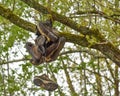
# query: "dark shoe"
[37,57]
[44,82]
[52,52]
[47,32]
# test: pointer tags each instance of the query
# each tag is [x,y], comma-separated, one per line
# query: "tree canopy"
[90,60]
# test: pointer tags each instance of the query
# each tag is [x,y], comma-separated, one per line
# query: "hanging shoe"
[44,82]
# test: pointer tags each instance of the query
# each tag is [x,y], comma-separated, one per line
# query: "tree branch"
[69,81]
[94,54]
[13,61]
[107,49]
[8,14]
[64,20]
[101,14]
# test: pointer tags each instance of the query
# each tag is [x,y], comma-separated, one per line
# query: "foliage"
[79,70]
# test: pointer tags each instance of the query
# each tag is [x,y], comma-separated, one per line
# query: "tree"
[88,64]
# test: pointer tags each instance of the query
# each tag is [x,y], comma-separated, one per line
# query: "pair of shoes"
[44,82]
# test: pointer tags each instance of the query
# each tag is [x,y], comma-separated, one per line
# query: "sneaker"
[44,82]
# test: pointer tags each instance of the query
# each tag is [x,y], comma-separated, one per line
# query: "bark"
[8,14]
[107,48]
